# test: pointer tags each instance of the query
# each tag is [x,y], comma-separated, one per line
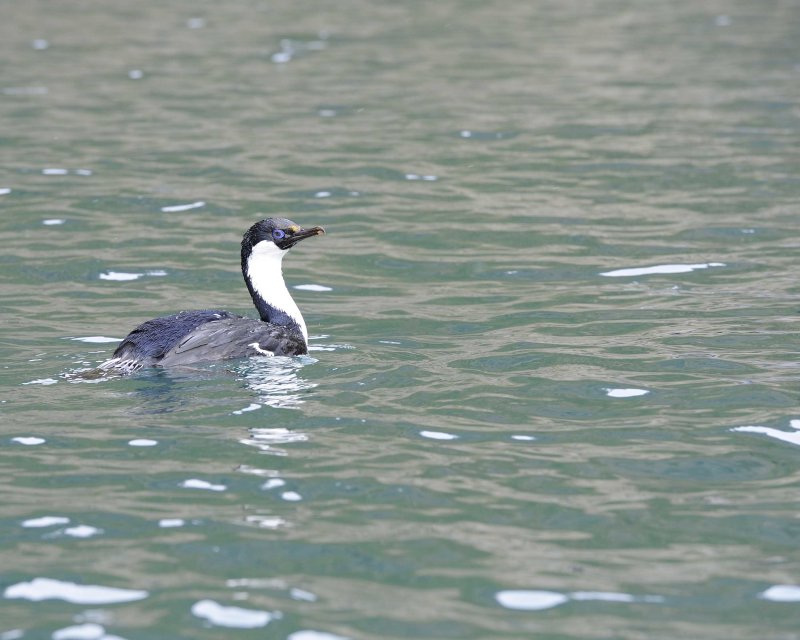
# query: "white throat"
[264,268]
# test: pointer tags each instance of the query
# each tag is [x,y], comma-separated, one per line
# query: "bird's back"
[191,337]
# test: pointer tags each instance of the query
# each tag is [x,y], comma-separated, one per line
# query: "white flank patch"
[264,267]
[781,593]
[626,393]
[48,589]
[233,617]
[263,352]
[142,442]
[530,600]
[28,440]
[183,207]
[660,269]
[312,287]
[44,521]
[95,339]
[438,435]
[195,483]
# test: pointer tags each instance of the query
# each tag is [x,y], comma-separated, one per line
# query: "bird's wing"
[233,338]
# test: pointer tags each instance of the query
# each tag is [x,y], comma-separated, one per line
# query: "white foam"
[52,171]
[438,435]
[660,269]
[291,496]
[520,437]
[44,521]
[302,595]
[310,634]
[95,339]
[251,407]
[53,222]
[781,593]
[626,393]
[170,523]
[28,440]
[4,191]
[42,381]
[530,600]
[613,596]
[183,207]
[312,287]
[232,617]
[120,276]
[136,74]
[48,589]
[195,483]
[323,194]
[142,442]
[607,596]
[273,483]
[88,631]
[266,522]
[82,531]
[792,437]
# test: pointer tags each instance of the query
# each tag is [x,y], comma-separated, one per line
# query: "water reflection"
[276,380]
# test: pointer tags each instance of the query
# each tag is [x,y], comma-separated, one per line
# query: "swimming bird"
[190,337]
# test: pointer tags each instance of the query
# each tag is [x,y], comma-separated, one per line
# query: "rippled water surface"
[553,384]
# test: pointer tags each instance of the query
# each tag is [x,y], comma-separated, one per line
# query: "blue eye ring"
[279,234]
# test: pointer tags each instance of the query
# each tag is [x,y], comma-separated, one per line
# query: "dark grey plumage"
[190,337]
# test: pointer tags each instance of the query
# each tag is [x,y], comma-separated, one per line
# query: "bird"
[191,337]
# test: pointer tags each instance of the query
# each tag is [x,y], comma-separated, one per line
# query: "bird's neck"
[263,274]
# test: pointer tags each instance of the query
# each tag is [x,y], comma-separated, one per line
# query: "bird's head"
[280,232]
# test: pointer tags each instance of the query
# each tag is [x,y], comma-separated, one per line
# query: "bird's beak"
[302,234]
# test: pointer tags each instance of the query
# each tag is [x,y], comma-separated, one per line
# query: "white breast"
[264,268]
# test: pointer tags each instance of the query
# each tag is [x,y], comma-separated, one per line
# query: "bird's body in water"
[190,337]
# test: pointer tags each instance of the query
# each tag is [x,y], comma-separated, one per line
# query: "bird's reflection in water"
[276,380]
[271,381]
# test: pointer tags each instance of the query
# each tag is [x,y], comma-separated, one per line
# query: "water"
[558,283]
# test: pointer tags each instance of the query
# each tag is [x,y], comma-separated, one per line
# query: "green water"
[489,438]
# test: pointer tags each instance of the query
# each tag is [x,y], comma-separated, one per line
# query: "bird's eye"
[279,234]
